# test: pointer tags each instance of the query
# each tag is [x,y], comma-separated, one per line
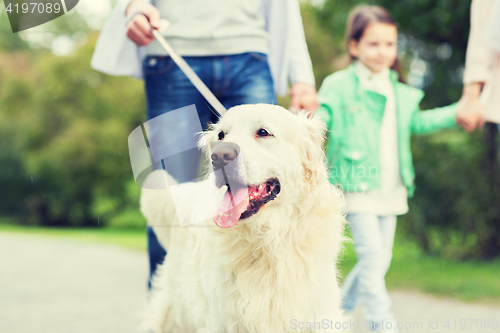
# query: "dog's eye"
[221,135]
[263,133]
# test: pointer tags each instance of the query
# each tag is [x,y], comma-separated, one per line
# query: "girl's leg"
[350,290]
[372,236]
[350,286]
[388,230]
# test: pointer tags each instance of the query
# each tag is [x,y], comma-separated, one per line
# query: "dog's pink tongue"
[231,207]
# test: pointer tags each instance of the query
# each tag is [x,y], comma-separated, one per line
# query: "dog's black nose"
[224,153]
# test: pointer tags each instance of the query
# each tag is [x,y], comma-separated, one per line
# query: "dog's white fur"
[270,271]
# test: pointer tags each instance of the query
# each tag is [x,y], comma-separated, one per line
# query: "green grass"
[413,270]
[410,268]
[132,238]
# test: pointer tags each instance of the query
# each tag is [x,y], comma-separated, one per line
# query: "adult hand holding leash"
[141,17]
[143,27]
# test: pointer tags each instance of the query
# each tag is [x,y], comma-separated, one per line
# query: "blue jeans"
[373,240]
[234,79]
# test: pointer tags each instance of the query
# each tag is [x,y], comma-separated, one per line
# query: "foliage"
[452,171]
[8,40]
[68,126]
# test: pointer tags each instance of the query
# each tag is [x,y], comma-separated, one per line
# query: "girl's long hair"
[360,18]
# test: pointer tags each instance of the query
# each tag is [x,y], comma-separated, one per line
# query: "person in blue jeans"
[242,79]
[245,51]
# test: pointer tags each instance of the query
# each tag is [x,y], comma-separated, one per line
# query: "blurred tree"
[70,127]
[454,213]
[8,40]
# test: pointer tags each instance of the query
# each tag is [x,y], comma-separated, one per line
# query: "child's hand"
[303,97]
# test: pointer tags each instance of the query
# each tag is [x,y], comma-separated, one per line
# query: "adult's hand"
[303,97]
[139,28]
[470,108]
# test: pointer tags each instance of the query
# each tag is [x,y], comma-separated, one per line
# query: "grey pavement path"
[420,313]
[52,285]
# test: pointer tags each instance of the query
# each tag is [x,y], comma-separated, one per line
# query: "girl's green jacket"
[353,117]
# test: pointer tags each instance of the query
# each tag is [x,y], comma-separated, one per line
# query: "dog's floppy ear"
[316,128]
[311,152]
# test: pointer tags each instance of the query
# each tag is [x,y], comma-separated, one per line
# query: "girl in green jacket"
[370,114]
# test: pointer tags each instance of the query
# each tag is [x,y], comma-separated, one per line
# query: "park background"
[65,166]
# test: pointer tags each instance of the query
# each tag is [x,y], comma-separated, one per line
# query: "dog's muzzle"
[241,199]
[228,165]
[224,153]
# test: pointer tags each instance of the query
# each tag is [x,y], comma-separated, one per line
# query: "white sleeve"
[115,53]
[300,66]
[479,56]
[493,27]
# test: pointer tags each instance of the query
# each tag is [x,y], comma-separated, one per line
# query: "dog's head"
[268,157]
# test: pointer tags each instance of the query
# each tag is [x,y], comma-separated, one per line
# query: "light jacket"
[288,56]
[493,27]
[482,62]
[353,117]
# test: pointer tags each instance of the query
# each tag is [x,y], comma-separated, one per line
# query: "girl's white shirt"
[391,197]
[288,56]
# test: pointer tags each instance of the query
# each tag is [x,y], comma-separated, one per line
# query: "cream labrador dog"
[266,261]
